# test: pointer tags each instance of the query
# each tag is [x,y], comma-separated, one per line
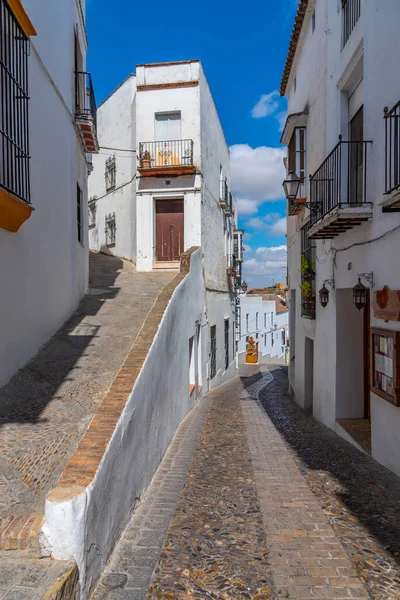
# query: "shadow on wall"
[369,491]
[24,398]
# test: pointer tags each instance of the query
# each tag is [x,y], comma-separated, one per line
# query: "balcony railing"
[351,13]
[165,154]
[392,148]
[85,103]
[224,194]
[340,181]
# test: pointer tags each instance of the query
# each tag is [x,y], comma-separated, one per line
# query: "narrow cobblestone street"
[257,500]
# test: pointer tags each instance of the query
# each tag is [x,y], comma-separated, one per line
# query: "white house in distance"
[343,143]
[43,172]
[162,185]
[266,321]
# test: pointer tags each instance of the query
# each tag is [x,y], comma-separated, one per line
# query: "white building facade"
[268,328]
[343,144]
[161,185]
[47,131]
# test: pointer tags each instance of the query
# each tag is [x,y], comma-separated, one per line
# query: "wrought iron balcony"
[170,157]
[351,13]
[235,269]
[226,199]
[86,112]
[338,191]
[392,159]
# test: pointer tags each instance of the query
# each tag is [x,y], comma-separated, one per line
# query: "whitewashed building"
[47,131]
[344,224]
[266,321]
[161,185]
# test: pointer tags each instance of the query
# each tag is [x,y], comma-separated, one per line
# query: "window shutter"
[356,100]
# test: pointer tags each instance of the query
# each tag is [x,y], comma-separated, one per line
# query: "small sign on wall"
[385,364]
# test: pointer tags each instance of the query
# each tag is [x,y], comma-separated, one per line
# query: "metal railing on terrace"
[351,13]
[341,179]
[85,103]
[392,148]
[169,153]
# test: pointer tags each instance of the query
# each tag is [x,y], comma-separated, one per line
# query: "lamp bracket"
[368,277]
[330,282]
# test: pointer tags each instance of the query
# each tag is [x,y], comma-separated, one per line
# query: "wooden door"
[169,230]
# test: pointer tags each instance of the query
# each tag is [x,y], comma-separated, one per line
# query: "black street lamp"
[244,286]
[360,291]
[324,292]
[291,186]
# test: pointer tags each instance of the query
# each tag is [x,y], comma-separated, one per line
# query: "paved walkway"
[47,406]
[236,509]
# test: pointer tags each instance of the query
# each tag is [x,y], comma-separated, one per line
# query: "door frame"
[156,197]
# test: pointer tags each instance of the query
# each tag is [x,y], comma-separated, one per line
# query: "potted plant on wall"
[307,268]
[308,296]
[145,161]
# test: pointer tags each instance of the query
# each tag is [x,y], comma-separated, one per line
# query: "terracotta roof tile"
[298,24]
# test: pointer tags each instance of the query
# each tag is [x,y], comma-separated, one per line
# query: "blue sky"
[243,50]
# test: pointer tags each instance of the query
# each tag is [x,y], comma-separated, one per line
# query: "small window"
[265,320]
[111,173]
[167,127]
[247,323]
[272,339]
[272,319]
[92,212]
[213,351]
[295,84]
[110,230]
[257,321]
[226,344]
[313,21]
[79,213]
[192,374]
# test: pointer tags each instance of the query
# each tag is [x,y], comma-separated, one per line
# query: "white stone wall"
[87,527]
[116,120]
[44,267]
[325,77]
[268,334]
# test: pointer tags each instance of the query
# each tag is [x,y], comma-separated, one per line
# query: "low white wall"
[385,433]
[87,527]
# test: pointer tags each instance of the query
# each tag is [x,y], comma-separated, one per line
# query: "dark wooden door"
[169,230]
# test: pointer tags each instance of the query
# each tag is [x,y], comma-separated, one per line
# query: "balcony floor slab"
[339,220]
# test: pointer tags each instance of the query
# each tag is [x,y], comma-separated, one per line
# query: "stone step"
[38,579]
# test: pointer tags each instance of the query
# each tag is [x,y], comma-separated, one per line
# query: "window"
[351,10]
[297,157]
[110,230]
[79,213]
[213,351]
[247,323]
[111,173]
[14,106]
[295,84]
[283,333]
[192,374]
[272,319]
[265,340]
[272,339]
[92,212]
[392,148]
[168,127]
[257,321]
[226,344]
[265,320]
[313,21]
[307,269]
[356,158]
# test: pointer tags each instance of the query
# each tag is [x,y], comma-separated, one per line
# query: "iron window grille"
[92,206]
[297,158]
[351,10]
[392,148]
[308,258]
[213,351]
[226,344]
[110,230]
[14,106]
[79,215]
[111,173]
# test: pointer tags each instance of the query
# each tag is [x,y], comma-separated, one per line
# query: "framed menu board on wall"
[385,364]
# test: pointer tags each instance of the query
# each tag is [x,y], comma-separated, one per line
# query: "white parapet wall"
[86,524]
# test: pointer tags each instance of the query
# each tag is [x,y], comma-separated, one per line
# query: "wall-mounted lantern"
[360,291]
[244,286]
[324,292]
[291,186]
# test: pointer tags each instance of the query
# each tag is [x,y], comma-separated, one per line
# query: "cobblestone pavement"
[30,579]
[47,405]
[273,505]
[360,499]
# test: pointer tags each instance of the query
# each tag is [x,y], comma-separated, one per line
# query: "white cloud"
[266,265]
[255,223]
[282,116]
[257,173]
[278,228]
[267,105]
[247,207]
